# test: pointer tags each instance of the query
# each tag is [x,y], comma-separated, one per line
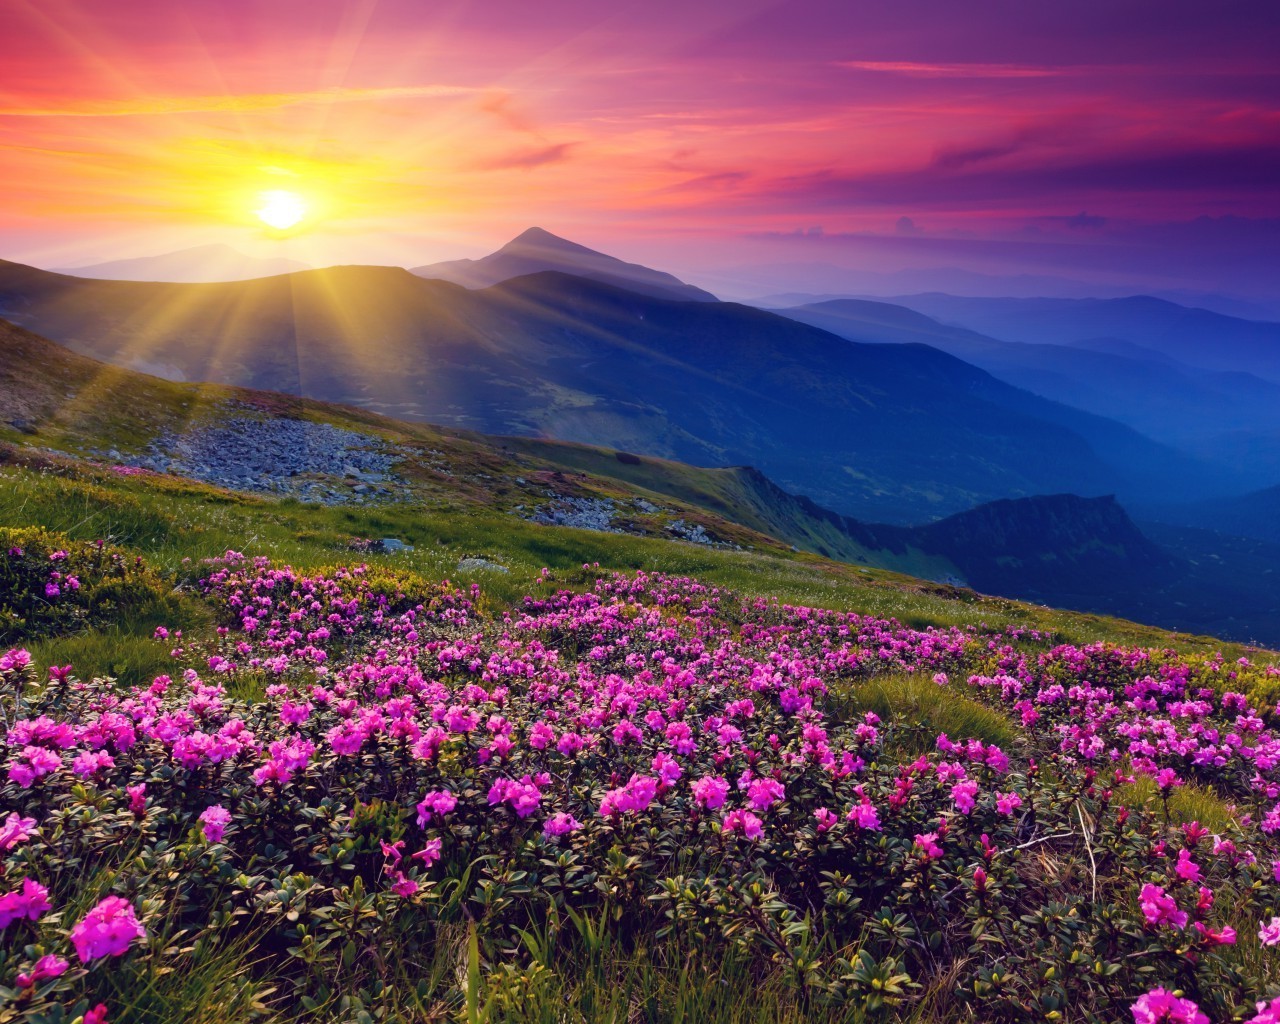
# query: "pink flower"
[15,830]
[1187,869]
[30,902]
[927,843]
[1268,1013]
[632,798]
[826,819]
[430,853]
[709,792]
[1225,937]
[963,794]
[402,885]
[1160,908]
[107,930]
[666,768]
[98,1015]
[1007,803]
[524,796]
[137,798]
[48,966]
[864,815]
[437,801]
[1269,933]
[763,793]
[215,820]
[1161,1005]
[561,824]
[742,821]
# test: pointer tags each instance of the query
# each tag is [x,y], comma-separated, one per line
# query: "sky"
[745,145]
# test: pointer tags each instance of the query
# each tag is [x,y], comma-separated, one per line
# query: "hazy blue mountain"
[1255,515]
[1149,391]
[888,432]
[1196,337]
[536,250]
[201,263]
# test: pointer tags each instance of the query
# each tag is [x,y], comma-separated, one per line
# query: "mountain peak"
[536,250]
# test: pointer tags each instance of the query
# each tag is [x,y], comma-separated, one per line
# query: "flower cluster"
[668,758]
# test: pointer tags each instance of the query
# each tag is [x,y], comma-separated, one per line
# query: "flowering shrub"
[650,762]
[50,586]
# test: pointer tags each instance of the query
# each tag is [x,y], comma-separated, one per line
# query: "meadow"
[626,780]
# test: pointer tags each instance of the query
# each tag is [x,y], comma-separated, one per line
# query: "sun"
[280,209]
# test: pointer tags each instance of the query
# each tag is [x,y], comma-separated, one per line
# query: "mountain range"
[1168,400]
[202,263]
[897,433]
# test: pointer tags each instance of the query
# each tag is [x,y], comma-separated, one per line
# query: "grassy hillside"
[470,497]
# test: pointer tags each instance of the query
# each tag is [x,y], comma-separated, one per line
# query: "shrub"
[50,585]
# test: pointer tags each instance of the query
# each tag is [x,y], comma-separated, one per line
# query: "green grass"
[915,710]
[1188,802]
[176,523]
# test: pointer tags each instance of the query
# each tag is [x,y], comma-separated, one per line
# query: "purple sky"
[1109,142]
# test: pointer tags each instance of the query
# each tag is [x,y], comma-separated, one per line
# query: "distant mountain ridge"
[887,432]
[1149,390]
[1195,337]
[535,251]
[202,263]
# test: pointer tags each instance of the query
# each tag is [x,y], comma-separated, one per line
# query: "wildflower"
[826,819]
[1160,908]
[963,793]
[29,902]
[864,815]
[403,886]
[215,820]
[927,844]
[524,796]
[438,801]
[15,830]
[666,768]
[1007,803]
[98,1015]
[1269,933]
[635,796]
[979,880]
[710,791]
[763,793]
[739,820]
[1160,1005]
[1226,936]
[107,930]
[137,798]
[430,853]
[1268,1013]
[560,824]
[1187,869]
[44,969]
[1194,832]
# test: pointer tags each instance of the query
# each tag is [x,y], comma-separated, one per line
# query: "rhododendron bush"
[652,762]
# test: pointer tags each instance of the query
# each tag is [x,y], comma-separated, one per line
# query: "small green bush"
[51,586]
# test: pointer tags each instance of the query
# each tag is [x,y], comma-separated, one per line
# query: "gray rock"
[473,564]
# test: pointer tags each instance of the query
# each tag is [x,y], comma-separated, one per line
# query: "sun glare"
[280,209]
